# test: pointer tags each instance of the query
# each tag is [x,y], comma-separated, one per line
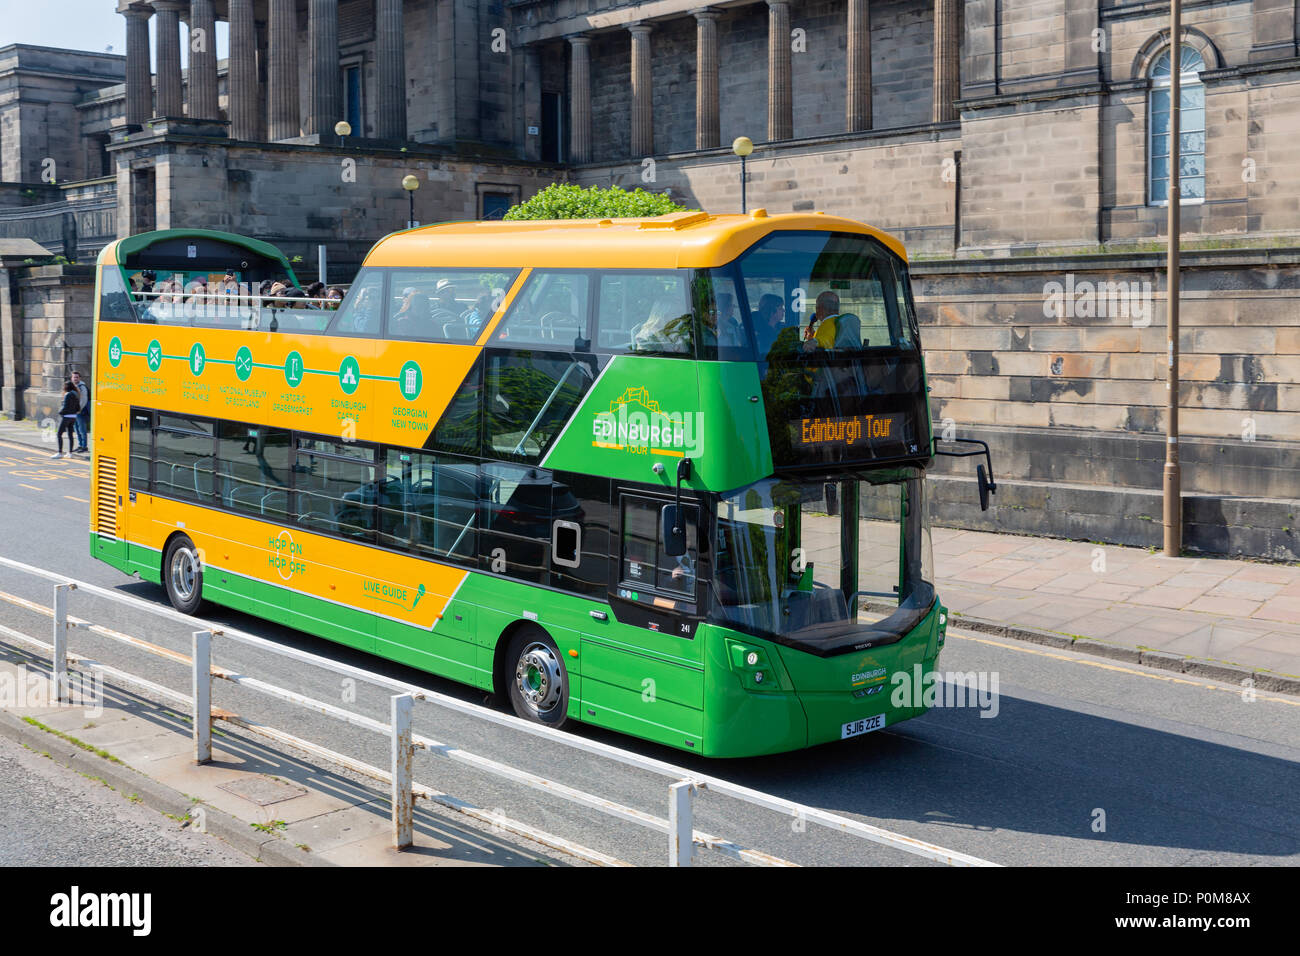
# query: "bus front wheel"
[538,682]
[183,575]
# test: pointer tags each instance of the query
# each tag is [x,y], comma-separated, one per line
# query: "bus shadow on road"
[1118,792]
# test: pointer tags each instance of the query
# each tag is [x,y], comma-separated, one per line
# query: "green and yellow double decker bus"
[664,476]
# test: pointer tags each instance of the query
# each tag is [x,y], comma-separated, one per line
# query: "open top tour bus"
[665,476]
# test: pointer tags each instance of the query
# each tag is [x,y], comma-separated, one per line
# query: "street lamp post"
[1173,500]
[342,129]
[742,146]
[411,184]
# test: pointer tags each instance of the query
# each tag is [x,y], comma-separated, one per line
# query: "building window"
[352,95]
[1192,133]
[554,133]
[496,205]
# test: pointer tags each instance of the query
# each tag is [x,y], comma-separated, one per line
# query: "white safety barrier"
[682,837]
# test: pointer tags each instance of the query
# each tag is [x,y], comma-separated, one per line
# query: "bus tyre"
[538,683]
[182,575]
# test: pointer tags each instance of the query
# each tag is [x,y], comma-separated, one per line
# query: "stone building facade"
[1015,147]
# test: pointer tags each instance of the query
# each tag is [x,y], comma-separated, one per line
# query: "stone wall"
[894,180]
[1073,403]
[49,318]
[40,88]
[298,196]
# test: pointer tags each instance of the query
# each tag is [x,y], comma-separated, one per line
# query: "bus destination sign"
[850,431]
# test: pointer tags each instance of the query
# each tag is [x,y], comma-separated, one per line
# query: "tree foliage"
[570,201]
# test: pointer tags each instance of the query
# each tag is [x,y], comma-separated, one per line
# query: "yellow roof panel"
[678,240]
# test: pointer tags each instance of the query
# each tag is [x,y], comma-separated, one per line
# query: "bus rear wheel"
[182,574]
[537,680]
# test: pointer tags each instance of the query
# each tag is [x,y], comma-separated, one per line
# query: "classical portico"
[783,43]
[264,79]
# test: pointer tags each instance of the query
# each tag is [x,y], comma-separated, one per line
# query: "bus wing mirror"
[983,475]
[672,531]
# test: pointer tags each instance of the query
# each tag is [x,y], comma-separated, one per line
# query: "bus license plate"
[855,728]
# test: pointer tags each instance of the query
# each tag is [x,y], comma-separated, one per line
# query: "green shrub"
[569,201]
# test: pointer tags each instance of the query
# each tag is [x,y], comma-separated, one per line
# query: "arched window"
[1192,138]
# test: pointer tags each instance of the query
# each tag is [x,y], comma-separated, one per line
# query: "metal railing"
[683,838]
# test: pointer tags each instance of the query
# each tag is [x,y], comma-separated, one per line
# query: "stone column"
[283,115]
[857,101]
[643,125]
[262,30]
[780,99]
[203,61]
[580,99]
[390,69]
[326,99]
[530,98]
[242,87]
[168,41]
[1275,30]
[981,68]
[139,76]
[1082,60]
[707,135]
[947,52]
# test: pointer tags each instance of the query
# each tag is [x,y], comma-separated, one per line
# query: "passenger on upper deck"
[444,301]
[365,311]
[667,329]
[720,326]
[413,320]
[821,330]
[769,320]
[478,313]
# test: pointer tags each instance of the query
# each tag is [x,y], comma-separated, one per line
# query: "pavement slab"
[1243,613]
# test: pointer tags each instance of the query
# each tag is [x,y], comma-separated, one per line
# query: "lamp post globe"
[342,129]
[411,183]
[742,146]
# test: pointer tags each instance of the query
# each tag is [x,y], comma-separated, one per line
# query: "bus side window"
[529,398]
[253,469]
[335,487]
[581,517]
[183,457]
[644,312]
[514,513]
[723,332]
[115,302]
[427,503]
[141,449]
[643,563]
[362,311]
[550,311]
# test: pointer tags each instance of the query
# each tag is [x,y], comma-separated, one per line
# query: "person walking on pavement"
[68,418]
[83,416]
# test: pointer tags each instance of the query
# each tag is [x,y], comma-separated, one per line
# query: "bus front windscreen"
[838,350]
[828,567]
